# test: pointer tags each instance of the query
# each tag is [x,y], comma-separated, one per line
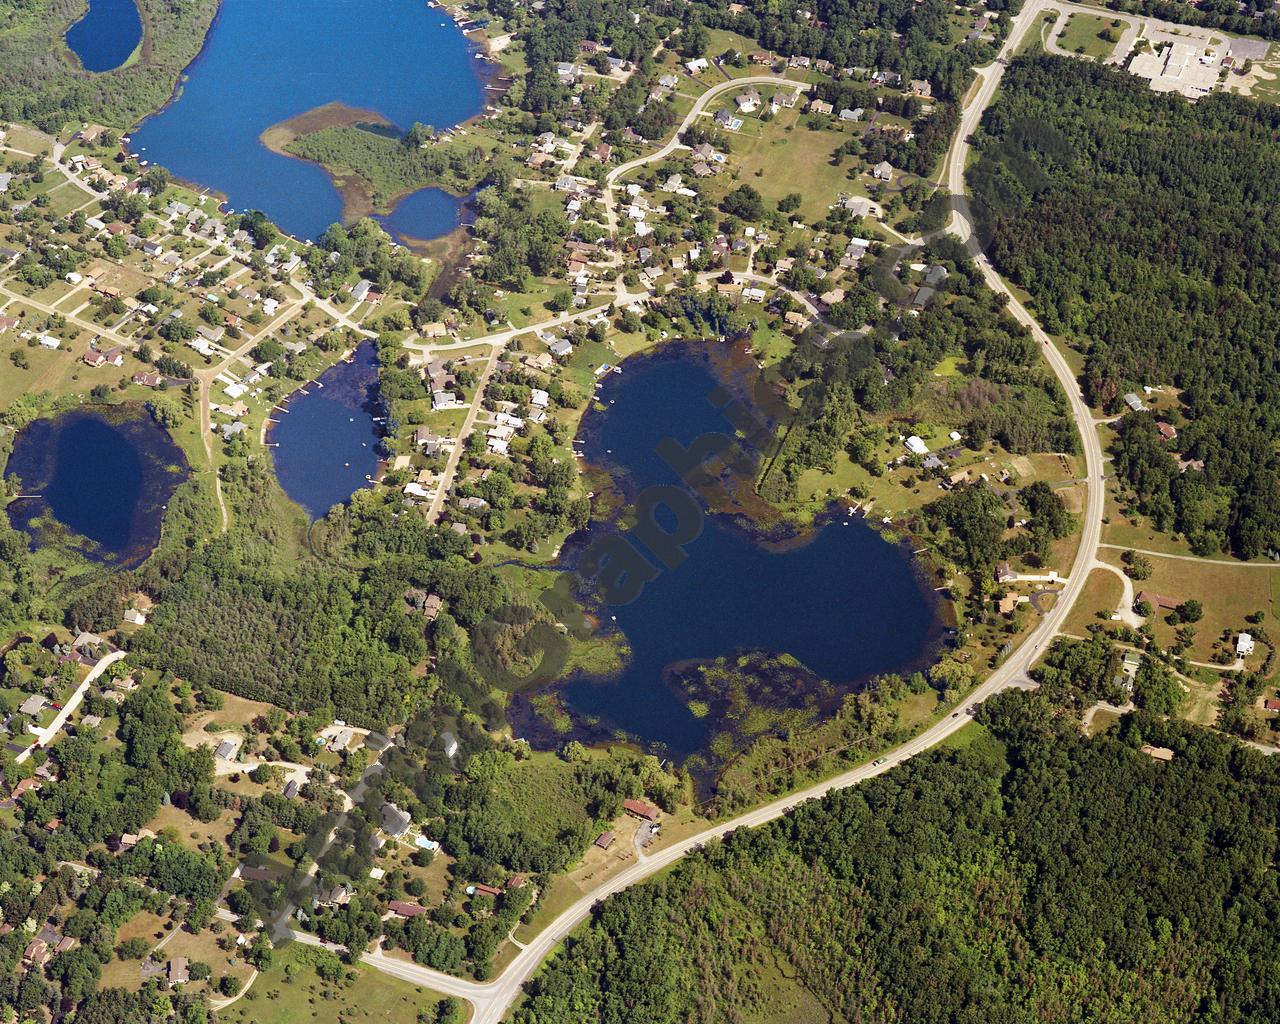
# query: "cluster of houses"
[47,943]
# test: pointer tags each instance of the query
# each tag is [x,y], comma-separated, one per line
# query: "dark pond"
[266,61]
[100,478]
[328,436]
[108,33]
[839,599]
[423,215]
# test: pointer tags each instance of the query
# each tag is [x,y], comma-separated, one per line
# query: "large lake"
[266,61]
[328,437]
[844,602]
[108,33]
[98,478]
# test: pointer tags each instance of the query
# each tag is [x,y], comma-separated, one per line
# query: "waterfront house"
[640,809]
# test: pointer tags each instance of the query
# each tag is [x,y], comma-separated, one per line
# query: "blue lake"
[328,438]
[100,477]
[265,62]
[106,35]
[840,599]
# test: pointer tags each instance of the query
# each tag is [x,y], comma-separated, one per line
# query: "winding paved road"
[492,999]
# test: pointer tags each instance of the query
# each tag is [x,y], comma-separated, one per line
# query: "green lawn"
[1102,592]
[291,992]
[1227,592]
[794,158]
[1083,34]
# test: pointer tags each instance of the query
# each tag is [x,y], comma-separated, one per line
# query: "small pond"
[326,434]
[99,479]
[107,35]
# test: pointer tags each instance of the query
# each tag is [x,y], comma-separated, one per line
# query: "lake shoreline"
[550,715]
[98,480]
[139,54]
[350,384]
[356,192]
[240,160]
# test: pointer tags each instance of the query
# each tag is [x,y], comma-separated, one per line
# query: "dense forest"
[40,82]
[1033,875]
[1148,229]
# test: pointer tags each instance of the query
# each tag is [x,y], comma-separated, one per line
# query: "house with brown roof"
[640,809]
[406,910]
[604,840]
[1158,602]
[36,953]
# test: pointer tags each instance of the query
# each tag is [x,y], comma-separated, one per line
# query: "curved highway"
[492,999]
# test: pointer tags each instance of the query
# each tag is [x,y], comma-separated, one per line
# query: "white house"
[1244,645]
[917,447]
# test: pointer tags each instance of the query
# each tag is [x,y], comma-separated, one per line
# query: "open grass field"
[793,157]
[559,897]
[1203,702]
[1083,34]
[1102,720]
[192,831]
[1102,593]
[291,992]
[1227,592]
[539,795]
